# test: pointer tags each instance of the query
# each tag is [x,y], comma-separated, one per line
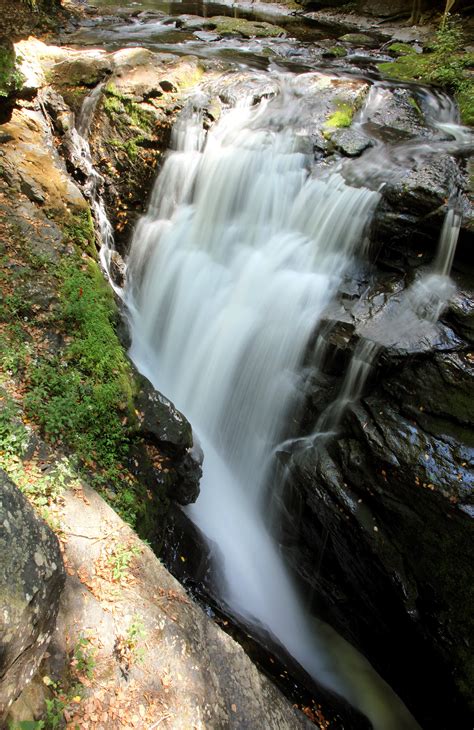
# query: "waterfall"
[82,159]
[229,272]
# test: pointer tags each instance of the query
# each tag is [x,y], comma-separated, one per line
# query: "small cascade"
[351,390]
[82,159]
[448,242]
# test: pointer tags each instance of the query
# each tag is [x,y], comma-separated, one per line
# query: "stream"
[246,241]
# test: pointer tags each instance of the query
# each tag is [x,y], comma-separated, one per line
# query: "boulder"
[359,39]
[385,8]
[174,458]
[32,578]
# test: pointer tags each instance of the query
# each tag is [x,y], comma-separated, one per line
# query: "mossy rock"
[359,39]
[400,49]
[335,52]
[427,68]
[245,28]
[341,118]
[87,71]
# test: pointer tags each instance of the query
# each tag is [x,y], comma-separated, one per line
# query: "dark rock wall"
[32,577]
[383,512]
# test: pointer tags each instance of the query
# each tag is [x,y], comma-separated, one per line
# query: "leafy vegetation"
[58,339]
[116,103]
[129,648]
[121,559]
[83,660]
[445,64]
[83,395]
[11,78]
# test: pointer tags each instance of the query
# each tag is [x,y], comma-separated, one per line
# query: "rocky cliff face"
[383,510]
[32,578]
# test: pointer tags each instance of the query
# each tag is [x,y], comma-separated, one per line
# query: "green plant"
[83,660]
[62,698]
[121,559]
[129,648]
[80,231]
[13,434]
[11,78]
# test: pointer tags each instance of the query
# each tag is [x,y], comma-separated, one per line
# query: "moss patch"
[335,52]
[340,118]
[400,49]
[446,65]
[115,103]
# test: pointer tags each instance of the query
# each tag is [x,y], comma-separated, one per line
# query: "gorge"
[299,285]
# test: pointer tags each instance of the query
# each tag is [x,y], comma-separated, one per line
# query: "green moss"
[80,231]
[357,39]
[130,146]
[342,117]
[400,49]
[336,52]
[116,103]
[82,397]
[112,105]
[445,65]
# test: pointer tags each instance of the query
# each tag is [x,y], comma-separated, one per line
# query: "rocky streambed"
[378,518]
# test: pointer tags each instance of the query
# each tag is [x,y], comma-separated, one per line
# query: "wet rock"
[160,419]
[350,142]
[194,23]
[32,577]
[167,431]
[118,268]
[393,490]
[207,36]
[425,188]
[322,3]
[461,314]
[396,109]
[131,129]
[226,26]
[86,70]
[359,39]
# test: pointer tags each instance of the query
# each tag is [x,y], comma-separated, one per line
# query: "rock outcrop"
[393,489]
[156,653]
[32,578]
[169,444]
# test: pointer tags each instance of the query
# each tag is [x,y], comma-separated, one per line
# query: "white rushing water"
[229,272]
[82,158]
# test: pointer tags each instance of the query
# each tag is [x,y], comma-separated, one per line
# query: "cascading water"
[229,272]
[82,158]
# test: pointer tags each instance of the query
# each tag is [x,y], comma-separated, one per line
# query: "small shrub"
[83,660]
[121,559]
[11,78]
